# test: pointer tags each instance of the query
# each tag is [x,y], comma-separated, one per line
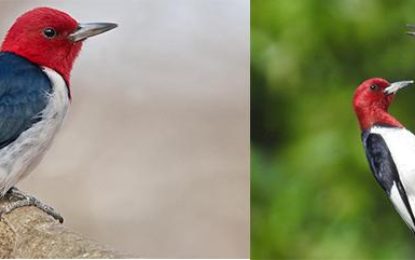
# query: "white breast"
[401,144]
[21,156]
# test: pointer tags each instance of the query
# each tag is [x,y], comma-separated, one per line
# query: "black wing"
[24,90]
[383,167]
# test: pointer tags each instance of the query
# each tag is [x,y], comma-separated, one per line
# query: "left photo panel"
[124,129]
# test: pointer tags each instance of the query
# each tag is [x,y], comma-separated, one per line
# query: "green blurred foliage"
[313,195]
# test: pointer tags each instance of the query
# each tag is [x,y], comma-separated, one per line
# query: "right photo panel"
[332,115]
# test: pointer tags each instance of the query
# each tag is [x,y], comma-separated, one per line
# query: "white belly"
[21,156]
[401,144]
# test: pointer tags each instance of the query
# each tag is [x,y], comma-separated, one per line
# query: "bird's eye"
[49,33]
[374,87]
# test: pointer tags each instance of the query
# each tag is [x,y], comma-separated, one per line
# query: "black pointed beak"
[395,86]
[86,30]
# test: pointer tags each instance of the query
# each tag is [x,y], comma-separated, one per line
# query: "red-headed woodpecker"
[36,59]
[389,146]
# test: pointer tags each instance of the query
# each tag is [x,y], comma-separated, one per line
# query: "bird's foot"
[20,199]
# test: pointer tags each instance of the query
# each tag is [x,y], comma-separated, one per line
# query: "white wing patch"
[401,144]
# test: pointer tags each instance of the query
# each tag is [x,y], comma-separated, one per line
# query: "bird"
[389,146]
[36,59]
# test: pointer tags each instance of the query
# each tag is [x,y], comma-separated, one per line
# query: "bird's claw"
[20,199]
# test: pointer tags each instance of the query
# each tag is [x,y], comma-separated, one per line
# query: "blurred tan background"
[154,156]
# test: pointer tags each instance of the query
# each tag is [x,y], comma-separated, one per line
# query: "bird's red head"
[50,38]
[372,99]
[41,36]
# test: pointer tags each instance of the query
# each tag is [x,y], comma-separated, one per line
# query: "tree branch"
[28,232]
